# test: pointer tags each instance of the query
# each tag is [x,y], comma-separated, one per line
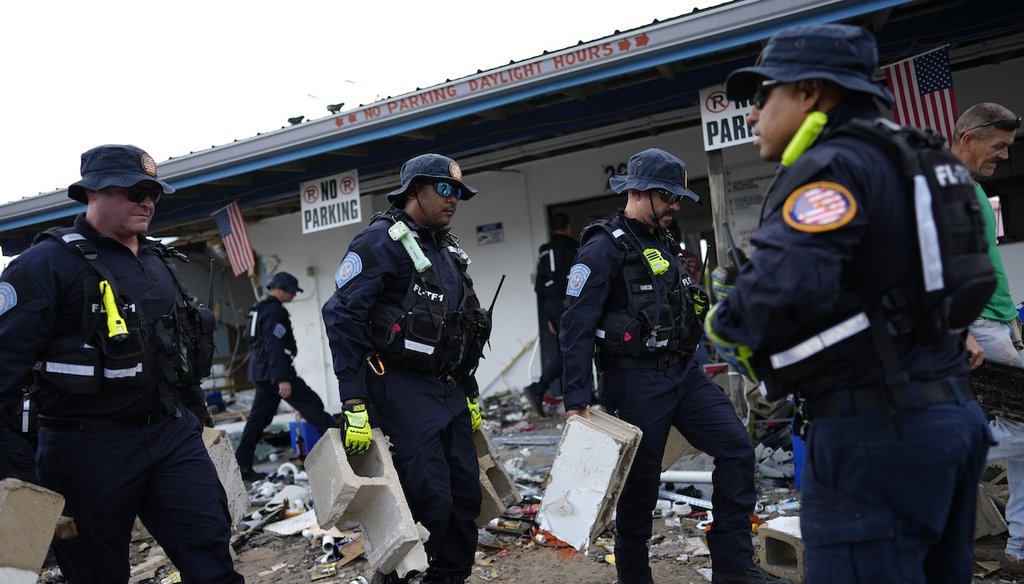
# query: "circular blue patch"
[8,297]
[350,267]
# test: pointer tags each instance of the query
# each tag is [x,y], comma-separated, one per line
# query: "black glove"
[202,411]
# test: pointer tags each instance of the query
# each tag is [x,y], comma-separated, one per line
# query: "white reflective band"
[69,369]
[419,347]
[821,341]
[618,233]
[599,333]
[661,343]
[252,326]
[72,237]
[120,373]
[927,236]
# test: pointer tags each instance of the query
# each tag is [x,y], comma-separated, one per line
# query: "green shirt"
[1000,307]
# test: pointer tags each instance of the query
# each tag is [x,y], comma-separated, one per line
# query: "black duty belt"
[662,362]
[916,395]
[101,424]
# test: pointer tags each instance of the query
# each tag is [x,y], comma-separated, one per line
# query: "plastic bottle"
[783,506]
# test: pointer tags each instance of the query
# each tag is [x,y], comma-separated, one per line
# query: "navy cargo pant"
[684,397]
[892,498]
[431,436]
[160,473]
[264,407]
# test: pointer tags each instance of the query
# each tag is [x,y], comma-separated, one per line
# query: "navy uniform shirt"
[555,258]
[271,355]
[596,285]
[43,293]
[377,268]
[794,279]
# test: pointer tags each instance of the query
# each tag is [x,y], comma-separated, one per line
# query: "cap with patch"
[654,169]
[434,166]
[843,54]
[115,165]
[284,281]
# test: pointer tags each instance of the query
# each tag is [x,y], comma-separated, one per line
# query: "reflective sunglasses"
[447,189]
[763,90]
[668,196]
[140,192]
[1006,125]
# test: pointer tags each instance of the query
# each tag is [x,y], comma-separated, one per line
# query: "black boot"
[752,575]
[535,393]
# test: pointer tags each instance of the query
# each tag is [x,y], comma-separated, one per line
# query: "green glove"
[474,412]
[700,302]
[723,279]
[357,429]
[739,356]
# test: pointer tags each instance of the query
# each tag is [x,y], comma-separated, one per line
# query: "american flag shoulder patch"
[819,206]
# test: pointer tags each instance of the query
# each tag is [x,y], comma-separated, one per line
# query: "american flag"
[236,237]
[923,87]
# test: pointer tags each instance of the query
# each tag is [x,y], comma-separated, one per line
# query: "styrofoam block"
[587,476]
[28,516]
[218,445]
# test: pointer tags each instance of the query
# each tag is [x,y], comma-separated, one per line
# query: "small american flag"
[236,237]
[923,87]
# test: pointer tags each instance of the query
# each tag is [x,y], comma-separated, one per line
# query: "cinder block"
[365,489]
[218,445]
[499,490]
[28,516]
[782,549]
[587,476]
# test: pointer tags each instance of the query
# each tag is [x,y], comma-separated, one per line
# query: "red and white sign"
[723,123]
[329,202]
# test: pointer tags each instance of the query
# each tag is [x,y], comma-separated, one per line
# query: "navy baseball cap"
[843,54]
[115,165]
[431,166]
[284,281]
[654,169]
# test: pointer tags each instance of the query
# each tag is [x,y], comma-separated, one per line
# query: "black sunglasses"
[447,189]
[141,192]
[762,93]
[1006,125]
[668,196]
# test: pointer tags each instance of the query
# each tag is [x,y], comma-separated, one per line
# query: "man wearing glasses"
[99,317]
[406,332]
[828,308]
[981,139]
[633,308]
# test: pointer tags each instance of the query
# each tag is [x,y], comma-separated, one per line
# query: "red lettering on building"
[643,40]
[580,56]
[504,77]
[624,45]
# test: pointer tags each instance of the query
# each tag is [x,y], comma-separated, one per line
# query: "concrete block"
[782,549]
[28,516]
[587,477]
[498,488]
[366,489]
[676,447]
[218,445]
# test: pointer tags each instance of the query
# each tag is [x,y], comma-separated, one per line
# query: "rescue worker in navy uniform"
[119,434]
[553,262]
[896,443]
[270,366]
[630,295]
[406,331]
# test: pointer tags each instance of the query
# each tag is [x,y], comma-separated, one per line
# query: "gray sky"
[180,77]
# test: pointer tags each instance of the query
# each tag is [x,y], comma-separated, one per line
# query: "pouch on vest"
[411,337]
[195,326]
[476,323]
[123,360]
[623,334]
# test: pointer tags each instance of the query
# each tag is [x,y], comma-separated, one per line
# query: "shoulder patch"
[8,297]
[819,206]
[350,267]
[280,331]
[578,275]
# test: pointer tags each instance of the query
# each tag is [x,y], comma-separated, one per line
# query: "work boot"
[249,475]
[389,578]
[535,393]
[752,575]
[1012,565]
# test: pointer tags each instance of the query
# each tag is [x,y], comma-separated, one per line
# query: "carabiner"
[377,369]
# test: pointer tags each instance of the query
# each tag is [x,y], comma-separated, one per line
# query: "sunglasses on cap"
[668,196]
[447,189]
[761,95]
[1006,125]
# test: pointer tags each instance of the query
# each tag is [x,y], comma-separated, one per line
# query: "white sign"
[745,187]
[490,233]
[723,123]
[329,202]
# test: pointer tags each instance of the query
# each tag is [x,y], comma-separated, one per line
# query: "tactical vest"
[656,320]
[93,361]
[423,333]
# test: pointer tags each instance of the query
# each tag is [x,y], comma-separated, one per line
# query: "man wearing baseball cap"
[634,308]
[828,309]
[407,332]
[272,349]
[97,316]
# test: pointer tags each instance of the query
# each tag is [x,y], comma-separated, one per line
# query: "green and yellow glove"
[740,357]
[357,429]
[723,280]
[700,302]
[474,412]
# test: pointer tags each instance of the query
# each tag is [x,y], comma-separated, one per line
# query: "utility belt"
[104,424]
[392,363]
[659,362]
[915,395]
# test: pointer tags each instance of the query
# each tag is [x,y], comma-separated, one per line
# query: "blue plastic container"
[303,435]
[798,460]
